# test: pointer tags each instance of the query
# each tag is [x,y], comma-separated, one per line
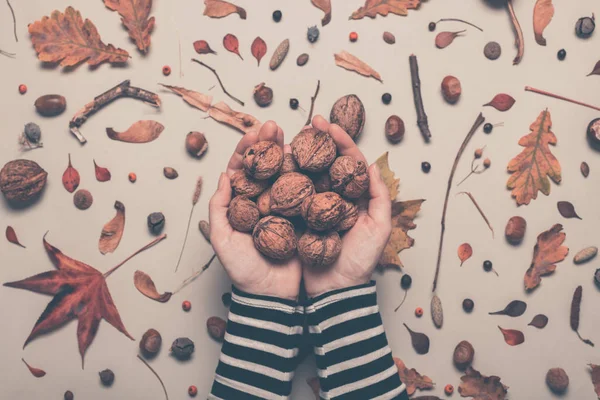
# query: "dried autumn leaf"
[515,308]
[501,102]
[465,251]
[387,175]
[102,174]
[38,373]
[315,386]
[70,40]
[220,9]
[567,209]
[80,292]
[352,63]
[259,48]
[384,7]
[325,6]
[535,164]
[202,47]
[512,337]
[412,379]
[140,132]
[135,17]
[420,341]
[232,44]
[596,70]
[145,285]
[11,236]
[481,387]
[195,99]
[243,122]
[539,321]
[445,39]
[547,252]
[596,378]
[542,15]
[112,232]
[70,178]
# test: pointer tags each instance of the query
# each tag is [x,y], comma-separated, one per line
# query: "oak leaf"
[542,15]
[353,63]
[325,6]
[535,164]
[134,16]
[80,292]
[481,387]
[67,38]
[412,379]
[547,252]
[112,232]
[384,7]
[220,9]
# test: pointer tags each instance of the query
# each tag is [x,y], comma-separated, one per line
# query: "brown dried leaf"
[352,63]
[315,386]
[384,7]
[445,39]
[515,308]
[420,341]
[567,210]
[512,337]
[134,16]
[412,379]
[542,15]
[140,132]
[501,102]
[243,122]
[547,252]
[481,387]
[70,178]
[596,70]
[112,232]
[11,236]
[465,251]
[195,99]
[539,321]
[388,175]
[205,229]
[102,174]
[596,378]
[38,373]
[145,285]
[325,6]
[232,44]
[220,9]
[202,47]
[259,49]
[71,40]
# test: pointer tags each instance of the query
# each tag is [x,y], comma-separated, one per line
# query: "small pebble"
[492,50]
[156,222]
[386,98]
[83,199]
[277,16]
[562,54]
[425,167]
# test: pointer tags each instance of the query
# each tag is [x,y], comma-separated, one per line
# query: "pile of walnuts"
[310,191]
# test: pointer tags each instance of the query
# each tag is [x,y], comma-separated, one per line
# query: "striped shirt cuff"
[260,350]
[353,358]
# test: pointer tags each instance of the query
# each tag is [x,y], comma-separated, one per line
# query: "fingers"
[380,205]
[235,162]
[217,207]
[343,141]
[279,140]
[269,131]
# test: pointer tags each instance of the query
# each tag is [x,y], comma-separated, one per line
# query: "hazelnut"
[196,144]
[319,249]
[246,186]
[322,182]
[262,160]
[515,230]
[323,211]
[275,238]
[394,129]
[349,217]
[463,355]
[349,113]
[242,214]
[264,203]
[557,380]
[151,342]
[263,95]
[349,177]
[289,164]
[313,150]
[216,328]
[451,89]
[288,192]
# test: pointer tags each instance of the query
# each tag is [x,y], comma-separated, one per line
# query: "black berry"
[386,98]
[107,377]
[562,54]
[406,281]
[487,128]
[277,16]
[468,305]
[294,103]
[487,265]
[425,167]
[432,26]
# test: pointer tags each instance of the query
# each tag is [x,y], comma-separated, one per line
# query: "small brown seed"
[151,342]
[69,395]
[463,355]
[216,328]
[557,380]
[196,144]
[170,173]
[394,129]
[451,89]
[585,169]
[389,38]
[83,199]
[302,59]
[515,230]
[50,105]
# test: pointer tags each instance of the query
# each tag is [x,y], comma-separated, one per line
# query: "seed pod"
[313,150]
[463,355]
[50,105]
[323,211]
[302,59]
[515,230]
[196,144]
[151,342]
[389,37]
[319,249]
[170,173]
[216,328]
[501,102]
[275,238]
[349,113]
[585,255]
[584,27]
[492,50]
[182,348]
[279,54]
[437,314]
[575,312]
[451,89]
[288,192]
[394,129]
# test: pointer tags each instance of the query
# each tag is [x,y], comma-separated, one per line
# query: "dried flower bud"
[323,211]
[107,377]
[242,214]
[487,163]
[515,230]
[246,186]
[349,217]
[263,159]
[216,328]
[264,203]
[289,164]
[451,89]
[478,153]
[288,192]
[313,150]
[319,249]
[349,113]
[196,144]
[182,348]
[322,182]
[275,238]
[349,177]
[263,95]
[151,342]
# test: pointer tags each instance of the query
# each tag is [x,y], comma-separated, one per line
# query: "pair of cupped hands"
[361,246]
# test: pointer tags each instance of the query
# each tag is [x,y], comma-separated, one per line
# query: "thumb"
[380,205]
[217,208]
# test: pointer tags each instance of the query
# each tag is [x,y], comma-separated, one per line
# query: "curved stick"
[232,97]
[519,41]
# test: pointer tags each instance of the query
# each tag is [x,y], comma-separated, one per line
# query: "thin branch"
[556,96]
[14,19]
[196,274]
[519,40]
[480,211]
[146,247]
[7,54]
[312,103]
[180,64]
[418,98]
[402,302]
[460,20]
[220,83]
[155,374]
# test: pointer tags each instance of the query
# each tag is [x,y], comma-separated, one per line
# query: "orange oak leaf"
[547,252]
[388,175]
[481,387]
[384,7]
[80,292]
[134,16]
[68,39]
[412,379]
[535,164]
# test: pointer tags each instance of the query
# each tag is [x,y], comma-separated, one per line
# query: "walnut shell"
[22,181]
[242,214]
[349,177]
[323,211]
[289,164]
[319,249]
[313,150]
[463,355]
[264,203]
[557,380]
[246,186]
[322,182]
[349,113]
[349,217]
[288,192]
[263,159]
[275,238]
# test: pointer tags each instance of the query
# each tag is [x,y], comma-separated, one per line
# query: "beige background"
[76,232]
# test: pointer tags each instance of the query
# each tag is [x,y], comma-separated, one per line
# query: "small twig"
[402,302]
[14,19]
[312,103]
[480,211]
[220,83]
[460,20]
[7,54]
[416,85]
[556,96]
[195,198]
[146,247]
[155,374]
[196,274]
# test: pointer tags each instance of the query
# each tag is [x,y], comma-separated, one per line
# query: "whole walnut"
[242,214]
[349,216]
[557,380]
[246,186]
[22,181]
[289,164]
[323,211]
[263,159]
[319,249]
[313,150]
[349,177]
[322,182]
[288,192]
[349,113]
[264,203]
[275,238]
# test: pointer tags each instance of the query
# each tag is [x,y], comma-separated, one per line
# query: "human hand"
[363,244]
[247,268]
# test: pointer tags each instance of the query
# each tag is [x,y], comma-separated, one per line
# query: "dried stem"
[312,103]
[7,54]
[402,302]
[460,20]
[123,89]
[416,85]
[195,198]
[232,97]
[155,374]
[146,247]
[196,274]
[480,211]
[14,19]
[519,41]
[180,64]
[480,120]
[474,170]
[556,96]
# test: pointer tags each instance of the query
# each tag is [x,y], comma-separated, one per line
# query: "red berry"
[419,312]
[192,391]
[166,70]
[353,36]
[449,389]
[22,89]
[186,305]
[132,177]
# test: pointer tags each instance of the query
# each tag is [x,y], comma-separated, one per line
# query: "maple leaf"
[481,387]
[80,292]
[535,164]
[384,7]
[412,379]
[548,251]
[70,40]
[134,15]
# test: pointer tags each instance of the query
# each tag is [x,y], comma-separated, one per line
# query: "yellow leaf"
[403,214]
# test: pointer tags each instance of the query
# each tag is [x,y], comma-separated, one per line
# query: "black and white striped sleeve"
[353,358]
[260,350]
